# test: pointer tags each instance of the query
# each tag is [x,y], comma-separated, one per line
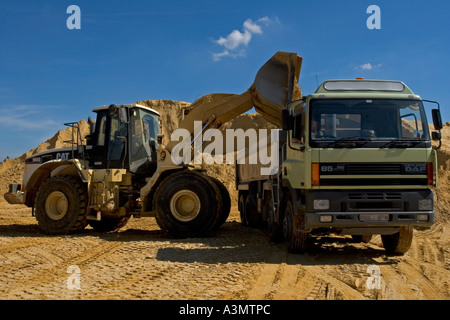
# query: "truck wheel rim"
[185,205]
[56,205]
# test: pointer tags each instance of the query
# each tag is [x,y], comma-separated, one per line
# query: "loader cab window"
[117,143]
[101,130]
[143,143]
[110,148]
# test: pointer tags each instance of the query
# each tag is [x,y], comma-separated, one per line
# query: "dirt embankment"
[139,262]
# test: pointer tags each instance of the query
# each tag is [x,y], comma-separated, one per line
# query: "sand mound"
[171,114]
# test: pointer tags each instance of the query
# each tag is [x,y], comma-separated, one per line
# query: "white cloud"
[236,42]
[235,39]
[369,66]
[26,117]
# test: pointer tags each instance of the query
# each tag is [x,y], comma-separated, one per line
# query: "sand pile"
[11,170]
[171,114]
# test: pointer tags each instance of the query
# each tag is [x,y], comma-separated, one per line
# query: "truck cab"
[359,153]
[358,160]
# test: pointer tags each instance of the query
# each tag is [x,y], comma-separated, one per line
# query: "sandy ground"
[237,263]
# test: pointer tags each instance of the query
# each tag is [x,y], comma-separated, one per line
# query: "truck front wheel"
[61,205]
[295,241]
[400,242]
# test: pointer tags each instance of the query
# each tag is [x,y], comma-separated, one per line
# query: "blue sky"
[180,50]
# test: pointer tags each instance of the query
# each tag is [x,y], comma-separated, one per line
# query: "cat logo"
[62,155]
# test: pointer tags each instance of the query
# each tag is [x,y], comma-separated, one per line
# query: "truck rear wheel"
[400,242]
[61,205]
[187,204]
[295,241]
[250,215]
[274,228]
[241,206]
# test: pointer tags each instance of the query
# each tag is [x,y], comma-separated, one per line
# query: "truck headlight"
[426,204]
[322,204]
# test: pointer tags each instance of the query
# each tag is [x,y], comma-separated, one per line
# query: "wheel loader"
[124,171]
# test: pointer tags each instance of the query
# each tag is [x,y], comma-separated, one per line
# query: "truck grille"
[332,174]
[375,169]
[373,182]
[375,196]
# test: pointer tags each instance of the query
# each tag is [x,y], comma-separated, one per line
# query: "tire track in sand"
[287,276]
[45,279]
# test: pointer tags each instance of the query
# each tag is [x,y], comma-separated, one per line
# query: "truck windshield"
[368,123]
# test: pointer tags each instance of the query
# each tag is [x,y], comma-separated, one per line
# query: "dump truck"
[356,158]
[123,170]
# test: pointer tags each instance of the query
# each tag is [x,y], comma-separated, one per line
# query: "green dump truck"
[356,158]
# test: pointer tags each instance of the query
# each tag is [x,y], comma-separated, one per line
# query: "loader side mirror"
[123,115]
[437,119]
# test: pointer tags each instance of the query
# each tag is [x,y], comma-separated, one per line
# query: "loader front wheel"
[61,205]
[188,204]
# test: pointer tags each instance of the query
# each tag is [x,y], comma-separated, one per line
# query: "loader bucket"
[276,84]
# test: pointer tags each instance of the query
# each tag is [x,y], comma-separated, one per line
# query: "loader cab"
[125,137]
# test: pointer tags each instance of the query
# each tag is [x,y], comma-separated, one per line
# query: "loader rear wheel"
[398,243]
[226,203]
[187,204]
[61,205]
[295,241]
[109,224]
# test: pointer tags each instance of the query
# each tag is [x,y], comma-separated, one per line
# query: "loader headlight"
[426,204]
[322,204]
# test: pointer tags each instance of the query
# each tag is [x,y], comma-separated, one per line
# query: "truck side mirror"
[285,119]
[436,135]
[437,119]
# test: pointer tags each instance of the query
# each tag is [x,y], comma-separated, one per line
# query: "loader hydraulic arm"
[276,83]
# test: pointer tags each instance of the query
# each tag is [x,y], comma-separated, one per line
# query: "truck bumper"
[378,221]
[355,212]
[15,196]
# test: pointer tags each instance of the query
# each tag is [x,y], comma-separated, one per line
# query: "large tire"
[295,241]
[274,228]
[187,204]
[226,203]
[250,217]
[109,224]
[241,204]
[61,204]
[362,238]
[398,243]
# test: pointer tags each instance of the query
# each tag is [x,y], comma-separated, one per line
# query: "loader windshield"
[143,142]
[368,123]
